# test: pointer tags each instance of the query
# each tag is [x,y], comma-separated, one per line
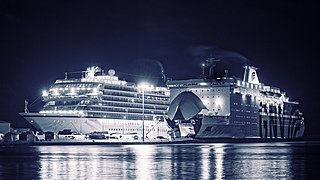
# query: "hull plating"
[85,125]
[247,118]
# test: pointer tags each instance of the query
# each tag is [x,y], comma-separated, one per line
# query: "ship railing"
[67,80]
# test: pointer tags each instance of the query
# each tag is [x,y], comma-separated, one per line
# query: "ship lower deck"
[270,127]
[83,125]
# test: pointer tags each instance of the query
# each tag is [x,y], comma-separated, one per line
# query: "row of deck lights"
[55,92]
[72,91]
[62,112]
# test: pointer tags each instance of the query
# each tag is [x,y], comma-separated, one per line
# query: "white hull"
[83,125]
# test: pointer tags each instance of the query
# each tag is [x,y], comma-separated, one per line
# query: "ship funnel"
[250,75]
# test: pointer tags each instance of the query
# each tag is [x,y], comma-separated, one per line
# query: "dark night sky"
[40,40]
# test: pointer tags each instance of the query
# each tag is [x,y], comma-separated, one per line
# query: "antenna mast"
[211,63]
[26,106]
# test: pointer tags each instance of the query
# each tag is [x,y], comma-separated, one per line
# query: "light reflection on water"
[189,161]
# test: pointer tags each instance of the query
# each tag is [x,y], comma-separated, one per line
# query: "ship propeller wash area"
[97,105]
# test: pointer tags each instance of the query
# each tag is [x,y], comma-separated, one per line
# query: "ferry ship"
[228,107]
[101,102]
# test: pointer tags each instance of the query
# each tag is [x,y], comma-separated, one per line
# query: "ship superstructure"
[228,107]
[102,102]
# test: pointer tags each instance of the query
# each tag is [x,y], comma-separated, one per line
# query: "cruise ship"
[96,101]
[227,107]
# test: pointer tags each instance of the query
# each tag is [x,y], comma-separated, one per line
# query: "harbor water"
[276,160]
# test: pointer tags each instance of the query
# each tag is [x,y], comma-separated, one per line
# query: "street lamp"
[203,65]
[144,86]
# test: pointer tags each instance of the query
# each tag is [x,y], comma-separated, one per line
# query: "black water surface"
[294,160]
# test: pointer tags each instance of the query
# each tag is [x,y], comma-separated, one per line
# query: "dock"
[111,142]
[96,142]
[148,142]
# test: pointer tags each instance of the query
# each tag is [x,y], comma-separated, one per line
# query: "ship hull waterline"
[84,125]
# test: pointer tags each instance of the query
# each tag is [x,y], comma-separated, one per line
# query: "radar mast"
[211,64]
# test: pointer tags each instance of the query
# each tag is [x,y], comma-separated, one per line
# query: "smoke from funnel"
[204,51]
[162,71]
[150,70]
[231,61]
[160,65]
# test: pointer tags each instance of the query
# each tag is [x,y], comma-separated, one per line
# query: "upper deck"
[250,85]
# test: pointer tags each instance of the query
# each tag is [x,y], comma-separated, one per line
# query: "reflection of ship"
[100,102]
[224,107]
